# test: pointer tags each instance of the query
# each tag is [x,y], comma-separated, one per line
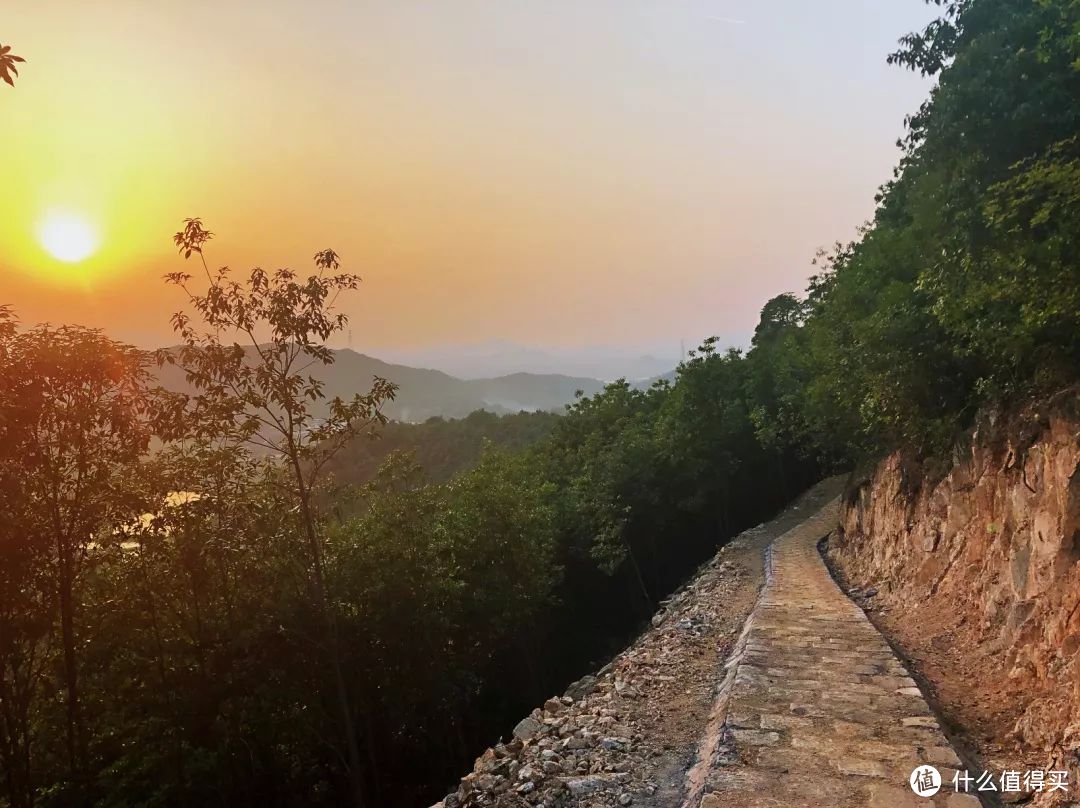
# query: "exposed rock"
[527,729]
[554,707]
[581,688]
[979,579]
[583,786]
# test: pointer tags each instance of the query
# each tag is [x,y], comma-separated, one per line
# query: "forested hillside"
[218,623]
[441,446]
[193,649]
[964,289]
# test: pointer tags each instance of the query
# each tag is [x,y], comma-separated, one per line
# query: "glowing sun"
[67,236]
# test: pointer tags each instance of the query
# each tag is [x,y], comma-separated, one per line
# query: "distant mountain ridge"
[496,358]
[424,393]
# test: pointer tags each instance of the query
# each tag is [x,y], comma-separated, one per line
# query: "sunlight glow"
[67,236]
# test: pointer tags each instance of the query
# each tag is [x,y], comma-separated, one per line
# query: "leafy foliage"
[72,422]
[443,446]
[8,60]
[269,404]
[963,291]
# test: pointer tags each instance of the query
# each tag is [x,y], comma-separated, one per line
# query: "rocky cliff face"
[977,577]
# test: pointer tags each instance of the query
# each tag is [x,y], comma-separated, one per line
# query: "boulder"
[527,729]
[581,688]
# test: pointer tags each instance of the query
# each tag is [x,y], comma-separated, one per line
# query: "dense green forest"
[193,610]
[441,446]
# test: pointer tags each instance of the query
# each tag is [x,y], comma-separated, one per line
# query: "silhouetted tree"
[250,368]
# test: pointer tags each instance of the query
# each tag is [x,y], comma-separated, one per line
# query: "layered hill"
[424,393]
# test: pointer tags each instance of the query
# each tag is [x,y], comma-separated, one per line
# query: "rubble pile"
[607,741]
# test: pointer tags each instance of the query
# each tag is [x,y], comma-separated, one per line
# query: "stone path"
[817,711]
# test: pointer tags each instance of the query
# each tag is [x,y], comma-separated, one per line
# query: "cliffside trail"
[758,684]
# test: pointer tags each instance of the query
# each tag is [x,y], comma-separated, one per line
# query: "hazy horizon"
[493,358]
[489,358]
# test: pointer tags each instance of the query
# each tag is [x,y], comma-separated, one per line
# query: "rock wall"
[990,553]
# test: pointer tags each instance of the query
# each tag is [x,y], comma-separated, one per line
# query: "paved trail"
[817,711]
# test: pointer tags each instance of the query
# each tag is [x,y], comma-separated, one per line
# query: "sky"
[558,173]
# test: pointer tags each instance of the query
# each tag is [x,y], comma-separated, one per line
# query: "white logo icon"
[925,781]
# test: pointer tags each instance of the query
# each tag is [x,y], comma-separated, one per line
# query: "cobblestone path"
[817,711]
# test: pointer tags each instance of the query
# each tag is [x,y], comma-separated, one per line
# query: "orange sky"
[552,172]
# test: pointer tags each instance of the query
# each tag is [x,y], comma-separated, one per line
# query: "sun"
[67,236]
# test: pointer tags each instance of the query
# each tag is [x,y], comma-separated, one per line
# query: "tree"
[8,60]
[251,369]
[25,596]
[963,289]
[73,420]
[203,669]
[777,374]
[444,447]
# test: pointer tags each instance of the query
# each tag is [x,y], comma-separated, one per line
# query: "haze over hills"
[423,393]
[500,358]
